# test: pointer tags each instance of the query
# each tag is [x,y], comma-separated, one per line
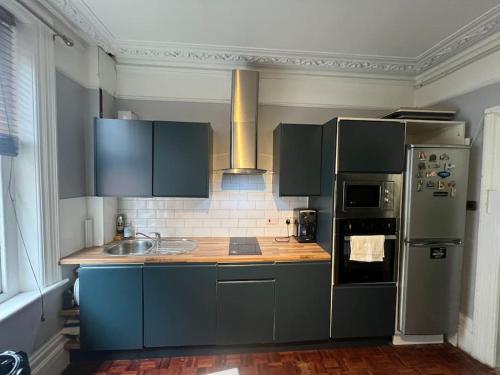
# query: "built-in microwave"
[367,195]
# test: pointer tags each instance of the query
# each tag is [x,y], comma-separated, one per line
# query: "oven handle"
[388,237]
[434,243]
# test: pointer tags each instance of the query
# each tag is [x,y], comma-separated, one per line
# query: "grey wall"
[71,119]
[471,108]
[25,331]
[218,115]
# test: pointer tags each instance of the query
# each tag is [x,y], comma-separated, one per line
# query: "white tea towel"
[367,248]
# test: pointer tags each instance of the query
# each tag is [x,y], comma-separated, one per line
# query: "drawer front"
[263,271]
[363,311]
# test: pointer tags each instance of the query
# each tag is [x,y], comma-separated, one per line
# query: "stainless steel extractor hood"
[244,103]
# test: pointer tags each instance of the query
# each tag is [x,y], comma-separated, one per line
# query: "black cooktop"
[244,246]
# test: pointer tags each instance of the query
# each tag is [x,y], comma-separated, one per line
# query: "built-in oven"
[348,271]
[367,195]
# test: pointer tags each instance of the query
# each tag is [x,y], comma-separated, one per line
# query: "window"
[28,178]
[8,150]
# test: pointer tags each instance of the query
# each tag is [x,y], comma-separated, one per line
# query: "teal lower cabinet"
[245,312]
[126,307]
[111,307]
[302,301]
[179,305]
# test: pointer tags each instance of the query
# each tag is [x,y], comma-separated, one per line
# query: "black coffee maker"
[305,221]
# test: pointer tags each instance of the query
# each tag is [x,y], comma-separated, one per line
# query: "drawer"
[260,271]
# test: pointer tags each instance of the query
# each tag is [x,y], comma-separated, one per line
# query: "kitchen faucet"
[156,239]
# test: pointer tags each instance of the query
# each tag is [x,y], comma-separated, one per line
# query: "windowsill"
[23,299]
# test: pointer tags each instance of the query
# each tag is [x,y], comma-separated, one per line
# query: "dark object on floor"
[382,360]
[14,363]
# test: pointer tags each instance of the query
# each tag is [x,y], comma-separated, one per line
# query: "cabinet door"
[303,301]
[371,146]
[245,312]
[179,305]
[363,311]
[297,159]
[123,158]
[181,161]
[111,307]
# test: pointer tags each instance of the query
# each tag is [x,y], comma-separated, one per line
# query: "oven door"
[366,195]
[353,272]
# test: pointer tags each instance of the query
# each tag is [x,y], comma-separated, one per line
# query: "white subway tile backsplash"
[238,206]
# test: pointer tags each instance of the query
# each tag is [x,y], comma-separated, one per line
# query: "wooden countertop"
[209,250]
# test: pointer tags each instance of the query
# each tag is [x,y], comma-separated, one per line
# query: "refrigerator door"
[436,192]
[431,278]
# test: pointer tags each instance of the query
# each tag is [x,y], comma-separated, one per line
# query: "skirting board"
[51,358]
[400,339]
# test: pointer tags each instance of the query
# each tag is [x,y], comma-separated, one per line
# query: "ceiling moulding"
[80,17]
[134,53]
[77,13]
[469,35]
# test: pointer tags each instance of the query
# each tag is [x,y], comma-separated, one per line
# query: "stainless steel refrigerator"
[432,232]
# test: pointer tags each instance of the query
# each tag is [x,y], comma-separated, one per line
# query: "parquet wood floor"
[382,360]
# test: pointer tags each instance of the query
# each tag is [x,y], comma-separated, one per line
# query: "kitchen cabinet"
[123,157]
[363,311]
[152,158]
[245,303]
[370,146]
[297,159]
[181,159]
[302,301]
[245,312]
[111,307]
[179,305]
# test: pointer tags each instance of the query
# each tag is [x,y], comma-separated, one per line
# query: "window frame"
[13,271]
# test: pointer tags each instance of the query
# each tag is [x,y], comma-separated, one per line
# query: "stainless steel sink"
[176,246]
[130,247]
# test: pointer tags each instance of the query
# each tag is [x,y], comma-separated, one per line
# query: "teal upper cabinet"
[297,159]
[181,159]
[123,157]
[146,158]
[371,146]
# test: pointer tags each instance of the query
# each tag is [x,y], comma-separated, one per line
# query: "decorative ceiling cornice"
[84,21]
[478,30]
[130,52]
[80,16]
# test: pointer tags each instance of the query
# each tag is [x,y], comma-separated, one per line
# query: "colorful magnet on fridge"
[444,174]
[431,185]
[422,155]
[444,156]
[433,157]
[441,185]
[431,174]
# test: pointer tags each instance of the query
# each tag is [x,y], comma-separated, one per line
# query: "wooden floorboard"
[442,359]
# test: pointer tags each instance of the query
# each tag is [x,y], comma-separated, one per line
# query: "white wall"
[283,88]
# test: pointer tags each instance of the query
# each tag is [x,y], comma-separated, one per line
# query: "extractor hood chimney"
[244,102]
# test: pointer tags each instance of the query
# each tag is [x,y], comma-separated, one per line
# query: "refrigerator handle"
[427,243]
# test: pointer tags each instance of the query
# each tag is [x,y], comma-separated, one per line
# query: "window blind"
[9,142]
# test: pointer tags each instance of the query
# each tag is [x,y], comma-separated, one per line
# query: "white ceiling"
[395,28]
[390,37]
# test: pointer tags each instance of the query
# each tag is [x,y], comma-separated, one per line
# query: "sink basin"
[130,247]
[176,246]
